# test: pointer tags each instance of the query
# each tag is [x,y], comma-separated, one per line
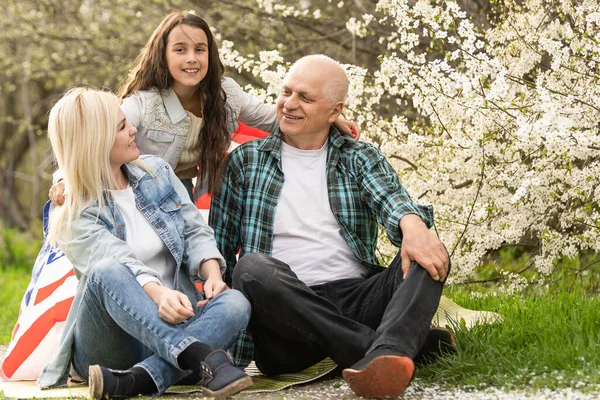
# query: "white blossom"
[508,142]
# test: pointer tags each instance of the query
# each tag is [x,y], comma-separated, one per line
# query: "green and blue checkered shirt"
[363,190]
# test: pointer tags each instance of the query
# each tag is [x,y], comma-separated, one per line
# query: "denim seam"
[174,351]
[156,377]
[177,350]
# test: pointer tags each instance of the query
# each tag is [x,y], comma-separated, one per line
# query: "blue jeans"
[118,326]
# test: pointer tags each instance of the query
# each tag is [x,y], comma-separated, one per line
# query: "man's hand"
[423,246]
[56,194]
[214,281]
[349,128]
[173,306]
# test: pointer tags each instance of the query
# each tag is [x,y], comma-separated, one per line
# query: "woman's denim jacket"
[163,125]
[99,233]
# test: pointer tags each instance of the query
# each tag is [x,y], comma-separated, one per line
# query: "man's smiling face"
[302,108]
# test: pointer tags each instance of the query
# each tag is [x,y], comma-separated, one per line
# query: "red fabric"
[243,134]
[46,291]
[34,335]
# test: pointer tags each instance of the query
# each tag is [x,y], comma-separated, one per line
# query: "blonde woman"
[137,324]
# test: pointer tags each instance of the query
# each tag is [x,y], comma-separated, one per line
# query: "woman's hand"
[211,270]
[173,306]
[348,127]
[56,194]
[212,287]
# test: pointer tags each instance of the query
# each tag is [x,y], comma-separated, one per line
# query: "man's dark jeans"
[295,326]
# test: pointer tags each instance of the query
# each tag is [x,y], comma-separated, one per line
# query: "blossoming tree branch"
[498,128]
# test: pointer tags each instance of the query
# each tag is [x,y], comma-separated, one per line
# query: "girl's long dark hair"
[150,70]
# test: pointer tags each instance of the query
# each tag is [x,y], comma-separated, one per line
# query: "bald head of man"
[336,81]
[312,97]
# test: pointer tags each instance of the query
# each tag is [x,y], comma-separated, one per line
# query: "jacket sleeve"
[57,176]
[226,210]
[133,108]
[383,192]
[199,239]
[248,109]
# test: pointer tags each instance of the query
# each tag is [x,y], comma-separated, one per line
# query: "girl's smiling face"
[187,57]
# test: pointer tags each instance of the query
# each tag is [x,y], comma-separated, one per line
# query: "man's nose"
[291,102]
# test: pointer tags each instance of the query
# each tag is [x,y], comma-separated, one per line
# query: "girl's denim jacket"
[100,233]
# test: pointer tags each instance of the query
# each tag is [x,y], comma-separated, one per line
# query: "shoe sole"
[383,377]
[96,382]
[231,389]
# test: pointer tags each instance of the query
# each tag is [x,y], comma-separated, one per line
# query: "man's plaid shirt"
[363,190]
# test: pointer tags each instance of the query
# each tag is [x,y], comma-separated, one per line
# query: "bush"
[18,250]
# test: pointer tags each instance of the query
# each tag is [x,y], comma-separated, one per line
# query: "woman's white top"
[146,245]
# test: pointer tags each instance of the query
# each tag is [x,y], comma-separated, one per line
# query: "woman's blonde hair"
[82,127]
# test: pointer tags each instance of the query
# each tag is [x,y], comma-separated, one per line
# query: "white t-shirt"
[307,236]
[145,243]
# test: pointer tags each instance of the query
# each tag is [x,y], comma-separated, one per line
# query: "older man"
[302,207]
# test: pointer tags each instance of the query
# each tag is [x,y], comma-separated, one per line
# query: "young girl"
[137,324]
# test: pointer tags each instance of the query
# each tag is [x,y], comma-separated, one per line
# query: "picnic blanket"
[262,384]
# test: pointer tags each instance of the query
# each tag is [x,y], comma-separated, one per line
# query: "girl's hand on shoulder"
[350,128]
[173,306]
[56,194]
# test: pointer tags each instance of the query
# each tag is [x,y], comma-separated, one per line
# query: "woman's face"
[124,149]
[187,57]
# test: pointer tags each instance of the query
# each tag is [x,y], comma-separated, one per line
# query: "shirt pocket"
[171,207]
[156,142]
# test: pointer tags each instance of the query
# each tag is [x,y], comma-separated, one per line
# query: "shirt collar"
[173,105]
[338,139]
[272,143]
[134,173]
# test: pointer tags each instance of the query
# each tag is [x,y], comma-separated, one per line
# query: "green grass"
[548,339]
[550,336]
[13,283]
[18,250]
[17,254]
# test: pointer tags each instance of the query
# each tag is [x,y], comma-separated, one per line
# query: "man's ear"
[336,111]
